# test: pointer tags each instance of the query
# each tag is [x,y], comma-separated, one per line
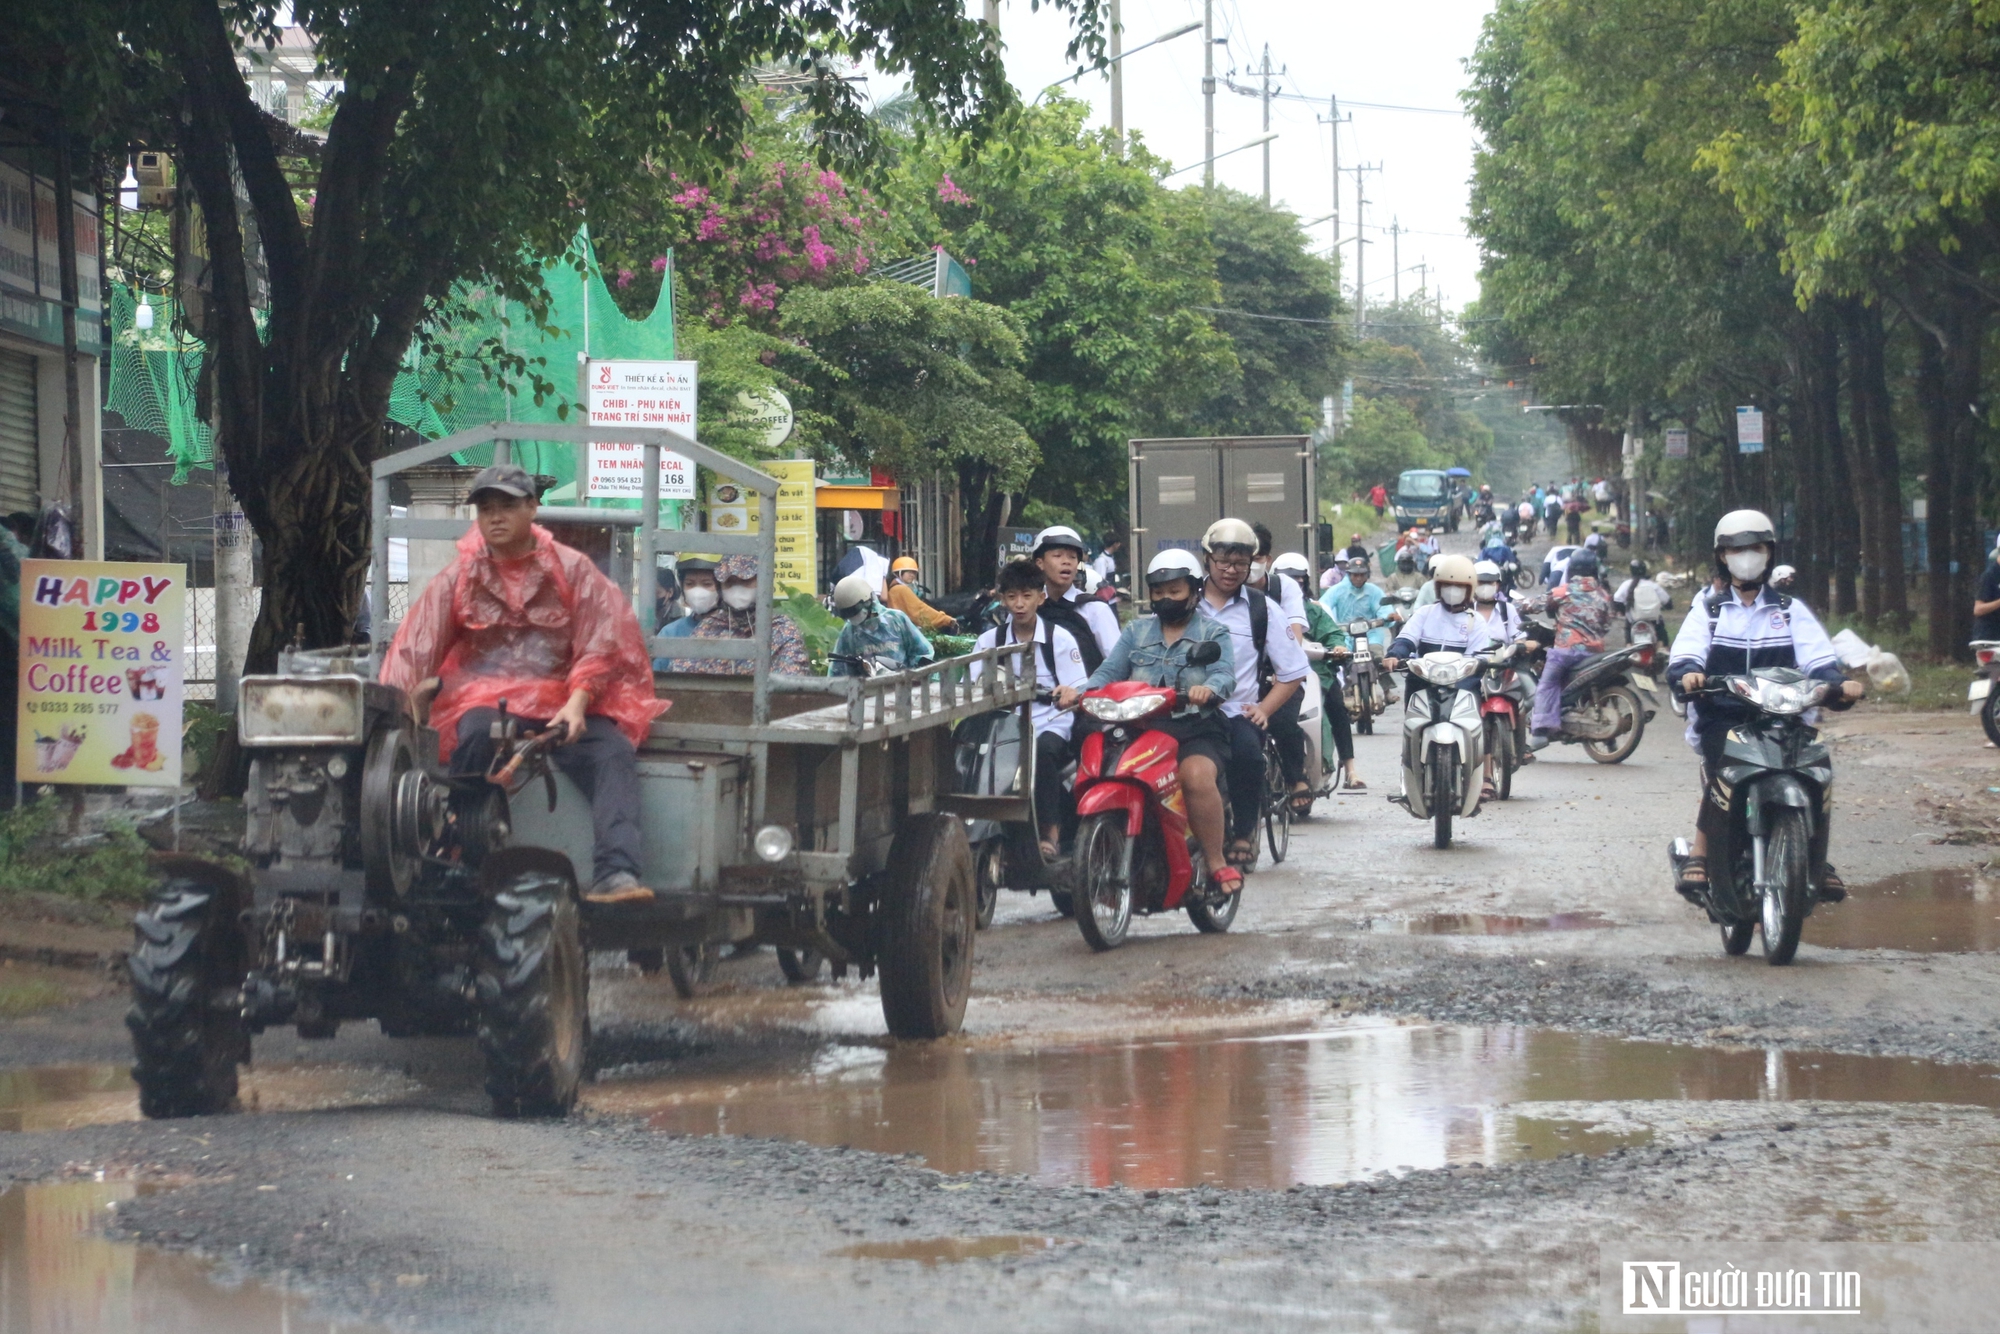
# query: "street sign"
[1677,442]
[1749,431]
[103,653]
[639,393]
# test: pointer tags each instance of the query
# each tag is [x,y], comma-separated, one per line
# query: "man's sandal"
[1228,880]
[1242,853]
[1302,799]
[1686,886]
[1832,889]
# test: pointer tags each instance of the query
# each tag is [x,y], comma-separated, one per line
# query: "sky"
[1410,54]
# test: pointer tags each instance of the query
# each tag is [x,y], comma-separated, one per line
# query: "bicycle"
[1277,801]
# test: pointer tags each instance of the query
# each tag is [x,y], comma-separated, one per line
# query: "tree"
[467,139]
[1105,270]
[1278,304]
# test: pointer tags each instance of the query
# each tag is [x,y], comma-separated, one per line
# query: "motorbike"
[1322,769]
[1776,771]
[1515,575]
[1136,850]
[1983,698]
[1444,742]
[1506,692]
[1608,699]
[1364,678]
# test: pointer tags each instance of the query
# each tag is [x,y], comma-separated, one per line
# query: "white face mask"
[1489,592]
[1452,595]
[699,599]
[1747,566]
[740,597]
[1258,569]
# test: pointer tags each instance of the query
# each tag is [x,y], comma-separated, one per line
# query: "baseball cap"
[509,479]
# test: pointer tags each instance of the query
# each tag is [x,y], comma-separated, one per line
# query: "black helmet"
[1638,568]
[1583,565]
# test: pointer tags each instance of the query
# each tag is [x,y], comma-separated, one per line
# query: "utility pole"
[1333,123]
[1117,76]
[1395,261]
[1207,93]
[1361,246]
[1267,124]
[992,17]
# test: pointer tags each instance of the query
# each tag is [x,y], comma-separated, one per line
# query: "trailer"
[1178,487]
[813,814]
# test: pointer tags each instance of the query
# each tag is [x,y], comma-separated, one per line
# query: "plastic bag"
[1852,650]
[1887,673]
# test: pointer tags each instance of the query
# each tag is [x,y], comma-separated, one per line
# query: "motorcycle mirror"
[1204,653]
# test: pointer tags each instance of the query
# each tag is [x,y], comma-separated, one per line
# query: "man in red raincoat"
[520,617]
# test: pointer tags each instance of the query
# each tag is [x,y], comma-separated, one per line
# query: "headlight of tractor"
[300,711]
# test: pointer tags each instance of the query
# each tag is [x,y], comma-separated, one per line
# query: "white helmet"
[1229,533]
[1487,571]
[1453,570]
[1292,562]
[1744,528]
[1059,535]
[1173,564]
[852,593]
[1088,581]
[1783,576]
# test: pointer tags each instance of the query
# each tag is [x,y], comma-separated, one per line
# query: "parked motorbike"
[1506,695]
[1983,698]
[1444,742]
[1776,771]
[1135,849]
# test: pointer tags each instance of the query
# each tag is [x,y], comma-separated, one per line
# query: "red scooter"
[1135,850]
[1506,696]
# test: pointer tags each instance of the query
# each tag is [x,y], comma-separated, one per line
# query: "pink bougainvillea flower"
[949,191]
[624,279]
[659,264]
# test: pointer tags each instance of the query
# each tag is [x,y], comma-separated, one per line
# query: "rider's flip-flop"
[1228,880]
[1691,890]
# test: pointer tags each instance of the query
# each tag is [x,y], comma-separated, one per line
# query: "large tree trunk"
[1838,520]
[1862,481]
[1871,378]
[980,538]
[1948,362]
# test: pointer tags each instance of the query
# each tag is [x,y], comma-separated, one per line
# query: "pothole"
[1485,924]
[1924,912]
[948,1250]
[1321,1105]
[60,1273]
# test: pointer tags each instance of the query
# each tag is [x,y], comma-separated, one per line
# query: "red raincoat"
[531,631]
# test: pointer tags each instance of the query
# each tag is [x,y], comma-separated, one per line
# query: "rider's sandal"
[1228,880]
[1242,853]
[1050,851]
[1302,800]
[1688,888]
[1354,785]
[1832,889]
[1488,792]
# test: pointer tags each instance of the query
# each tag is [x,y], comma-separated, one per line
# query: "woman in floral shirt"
[1582,610]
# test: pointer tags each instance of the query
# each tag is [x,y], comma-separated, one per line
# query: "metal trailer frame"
[867,721]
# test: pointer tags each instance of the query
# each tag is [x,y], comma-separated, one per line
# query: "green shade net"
[153,371]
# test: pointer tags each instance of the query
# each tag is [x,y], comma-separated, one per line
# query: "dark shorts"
[1200,735]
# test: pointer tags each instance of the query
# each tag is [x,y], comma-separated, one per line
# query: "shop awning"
[858,497]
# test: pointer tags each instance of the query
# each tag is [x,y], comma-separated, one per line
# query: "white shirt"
[1103,621]
[1288,660]
[1646,601]
[1442,628]
[1289,596]
[1069,669]
[1761,634]
[1602,491]
[1504,625]
[1105,564]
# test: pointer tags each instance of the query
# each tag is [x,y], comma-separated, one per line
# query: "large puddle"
[57,1097]
[1484,924]
[1331,1104]
[1925,912]
[58,1276]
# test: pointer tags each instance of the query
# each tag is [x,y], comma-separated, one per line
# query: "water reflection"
[58,1276]
[1484,924]
[1926,912]
[1324,1105]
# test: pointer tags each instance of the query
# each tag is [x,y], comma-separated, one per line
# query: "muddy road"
[1410,1090]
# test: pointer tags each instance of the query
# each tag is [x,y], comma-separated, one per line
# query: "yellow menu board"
[103,650]
[797,559]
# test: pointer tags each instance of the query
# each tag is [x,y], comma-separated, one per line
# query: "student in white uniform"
[1058,663]
[1058,553]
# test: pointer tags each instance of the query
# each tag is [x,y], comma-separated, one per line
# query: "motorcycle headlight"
[1448,672]
[1777,697]
[1130,709]
[1359,629]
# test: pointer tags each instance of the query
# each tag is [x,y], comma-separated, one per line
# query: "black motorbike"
[1608,699]
[1776,771]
